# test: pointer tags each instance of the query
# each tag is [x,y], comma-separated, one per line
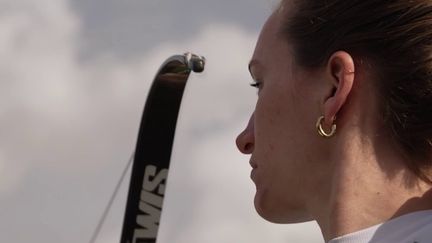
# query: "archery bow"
[153,149]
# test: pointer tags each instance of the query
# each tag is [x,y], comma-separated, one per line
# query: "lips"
[252,164]
[253,172]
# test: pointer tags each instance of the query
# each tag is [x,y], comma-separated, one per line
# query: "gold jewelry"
[321,131]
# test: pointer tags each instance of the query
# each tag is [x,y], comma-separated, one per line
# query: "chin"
[274,212]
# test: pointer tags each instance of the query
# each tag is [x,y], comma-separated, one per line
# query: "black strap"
[153,149]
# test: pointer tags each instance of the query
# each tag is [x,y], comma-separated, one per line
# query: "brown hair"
[397,36]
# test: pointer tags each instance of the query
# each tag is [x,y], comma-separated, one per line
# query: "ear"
[340,73]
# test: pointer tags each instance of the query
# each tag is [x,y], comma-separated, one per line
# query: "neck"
[369,185]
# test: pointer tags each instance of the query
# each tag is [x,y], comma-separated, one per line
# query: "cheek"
[267,123]
[272,133]
[275,111]
[283,132]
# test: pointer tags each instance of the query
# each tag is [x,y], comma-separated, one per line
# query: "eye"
[256,84]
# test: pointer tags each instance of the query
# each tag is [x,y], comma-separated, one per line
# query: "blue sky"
[74,78]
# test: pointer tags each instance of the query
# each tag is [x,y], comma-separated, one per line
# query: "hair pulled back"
[396,35]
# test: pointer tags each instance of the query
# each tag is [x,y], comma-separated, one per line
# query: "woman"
[342,129]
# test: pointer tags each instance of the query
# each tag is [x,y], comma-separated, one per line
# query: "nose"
[246,139]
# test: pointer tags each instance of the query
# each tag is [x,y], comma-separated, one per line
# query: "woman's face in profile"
[281,136]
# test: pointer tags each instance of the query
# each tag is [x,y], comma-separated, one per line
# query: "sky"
[74,79]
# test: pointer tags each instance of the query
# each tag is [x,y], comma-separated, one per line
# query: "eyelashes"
[256,84]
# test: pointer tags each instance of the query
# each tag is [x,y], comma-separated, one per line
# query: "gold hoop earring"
[321,131]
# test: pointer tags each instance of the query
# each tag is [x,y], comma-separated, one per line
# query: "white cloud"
[68,126]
